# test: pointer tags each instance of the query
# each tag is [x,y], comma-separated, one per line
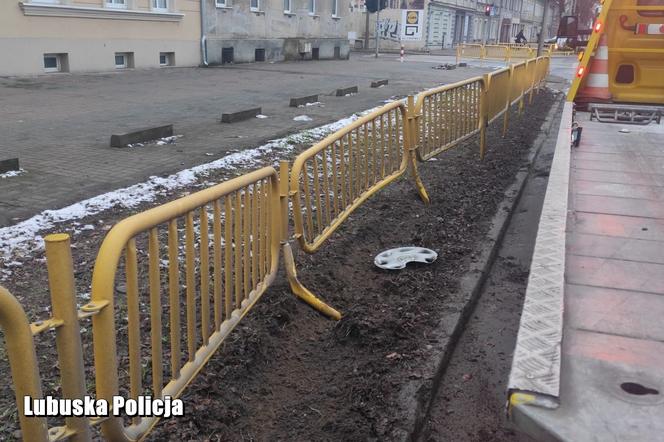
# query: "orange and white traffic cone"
[596,87]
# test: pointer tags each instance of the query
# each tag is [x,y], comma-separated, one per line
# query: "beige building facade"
[50,36]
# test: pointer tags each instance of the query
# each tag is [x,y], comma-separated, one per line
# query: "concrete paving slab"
[616,225]
[598,188]
[619,206]
[628,249]
[619,312]
[615,273]
[618,177]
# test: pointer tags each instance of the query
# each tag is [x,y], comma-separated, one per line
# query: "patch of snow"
[12,173]
[302,118]
[261,116]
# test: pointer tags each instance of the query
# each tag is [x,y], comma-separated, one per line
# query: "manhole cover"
[394,259]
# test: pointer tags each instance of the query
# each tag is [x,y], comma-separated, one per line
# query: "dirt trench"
[287,373]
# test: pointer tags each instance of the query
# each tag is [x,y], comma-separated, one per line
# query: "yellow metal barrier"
[23,364]
[521,52]
[335,176]
[496,52]
[448,115]
[245,214]
[469,51]
[497,95]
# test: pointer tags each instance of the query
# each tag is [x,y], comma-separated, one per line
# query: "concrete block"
[140,136]
[346,90]
[9,165]
[463,65]
[379,83]
[299,101]
[232,117]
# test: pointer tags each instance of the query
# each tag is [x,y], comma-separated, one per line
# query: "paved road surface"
[60,125]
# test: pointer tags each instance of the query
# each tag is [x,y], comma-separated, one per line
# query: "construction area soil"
[288,373]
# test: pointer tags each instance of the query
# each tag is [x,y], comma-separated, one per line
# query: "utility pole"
[366,28]
[377,30]
[545,16]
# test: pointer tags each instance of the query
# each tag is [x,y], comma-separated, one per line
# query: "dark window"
[226,55]
[625,74]
[337,52]
[259,54]
[315,53]
[50,62]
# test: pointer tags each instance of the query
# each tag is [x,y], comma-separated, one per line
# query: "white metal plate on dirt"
[394,259]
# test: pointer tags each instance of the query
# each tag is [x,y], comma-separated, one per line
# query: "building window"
[220,3]
[335,8]
[56,63]
[254,5]
[312,7]
[116,3]
[167,59]
[124,60]
[287,6]
[159,5]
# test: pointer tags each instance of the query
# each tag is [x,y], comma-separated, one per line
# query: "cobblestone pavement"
[60,125]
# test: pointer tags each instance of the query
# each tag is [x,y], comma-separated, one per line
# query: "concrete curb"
[418,395]
[139,136]
[9,165]
[300,101]
[232,117]
[379,83]
[342,92]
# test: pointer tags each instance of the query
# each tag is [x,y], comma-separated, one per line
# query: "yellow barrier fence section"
[497,95]
[522,52]
[469,51]
[448,115]
[496,52]
[228,238]
[335,176]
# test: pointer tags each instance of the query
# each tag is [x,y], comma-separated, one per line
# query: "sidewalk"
[59,126]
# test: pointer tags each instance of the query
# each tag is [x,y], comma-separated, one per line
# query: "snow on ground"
[303,118]
[12,173]
[23,238]
[261,116]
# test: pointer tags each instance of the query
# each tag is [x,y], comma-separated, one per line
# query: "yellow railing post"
[410,145]
[296,286]
[506,117]
[484,117]
[68,335]
[20,349]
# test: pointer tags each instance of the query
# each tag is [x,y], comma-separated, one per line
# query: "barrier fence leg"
[506,120]
[20,348]
[296,286]
[411,146]
[68,335]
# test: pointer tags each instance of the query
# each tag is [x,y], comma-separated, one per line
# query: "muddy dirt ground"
[286,372]
[290,374]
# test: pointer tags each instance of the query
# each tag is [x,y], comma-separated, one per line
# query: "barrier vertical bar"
[68,336]
[20,349]
[410,129]
[484,117]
